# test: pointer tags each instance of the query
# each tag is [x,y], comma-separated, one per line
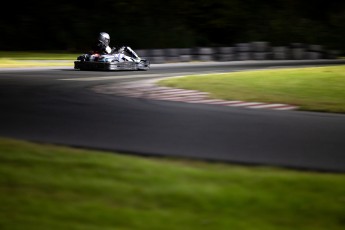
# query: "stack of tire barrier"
[261,51]
[258,50]
[225,54]
[204,54]
[185,55]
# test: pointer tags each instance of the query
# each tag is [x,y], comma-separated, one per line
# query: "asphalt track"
[58,105]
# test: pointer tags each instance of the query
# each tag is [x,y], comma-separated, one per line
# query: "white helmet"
[104,38]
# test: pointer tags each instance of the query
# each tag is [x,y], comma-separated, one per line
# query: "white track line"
[245,104]
[266,105]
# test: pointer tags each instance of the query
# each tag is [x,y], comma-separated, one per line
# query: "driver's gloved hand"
[122,49]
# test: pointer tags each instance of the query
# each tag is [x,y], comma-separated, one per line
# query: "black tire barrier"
[185,58]
[315,48]
[257,50]
[260,47]
[261,56]
[225,57]
[243,47]
[225,50]
[298,53]
[244,56]
[172,55]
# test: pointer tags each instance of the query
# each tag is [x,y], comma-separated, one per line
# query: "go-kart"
[120,59]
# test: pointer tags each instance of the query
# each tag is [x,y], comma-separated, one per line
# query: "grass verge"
[51,187]
[10,63]
[38,55]
[35,59]
[312,88]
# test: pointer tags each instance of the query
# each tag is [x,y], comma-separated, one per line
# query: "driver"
[102,47]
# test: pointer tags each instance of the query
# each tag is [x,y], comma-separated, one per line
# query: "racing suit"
[98,49]
[101,48]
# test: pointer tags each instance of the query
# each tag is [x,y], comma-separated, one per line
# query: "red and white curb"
[149,90]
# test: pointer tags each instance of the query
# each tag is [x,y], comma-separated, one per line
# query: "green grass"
[315,89]
[10,63]
[34,55]
[36,59]
[50,187]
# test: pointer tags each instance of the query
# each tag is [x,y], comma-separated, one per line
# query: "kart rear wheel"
[143,65]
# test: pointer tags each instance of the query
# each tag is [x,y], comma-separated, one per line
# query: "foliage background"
[74,25]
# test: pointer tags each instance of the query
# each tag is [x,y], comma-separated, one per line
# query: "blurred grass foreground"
[50,187]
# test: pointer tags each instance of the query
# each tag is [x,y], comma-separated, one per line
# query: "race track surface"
[59,105]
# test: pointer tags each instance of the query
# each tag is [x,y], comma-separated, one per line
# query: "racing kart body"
[116,60]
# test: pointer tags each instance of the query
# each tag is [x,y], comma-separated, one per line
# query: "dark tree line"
[74,25]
